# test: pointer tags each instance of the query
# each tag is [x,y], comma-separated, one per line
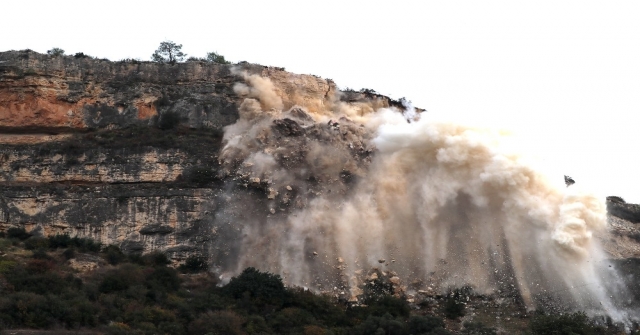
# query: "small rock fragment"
[272,193]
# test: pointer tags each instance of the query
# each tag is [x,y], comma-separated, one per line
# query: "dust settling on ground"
[332,196]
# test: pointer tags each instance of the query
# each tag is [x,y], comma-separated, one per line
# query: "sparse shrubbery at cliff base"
[141,294]
[134,294]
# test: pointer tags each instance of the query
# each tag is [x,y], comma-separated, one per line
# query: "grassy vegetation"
[133,139]
[133,294]
[130,294]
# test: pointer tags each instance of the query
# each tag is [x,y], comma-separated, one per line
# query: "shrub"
[424,324]
[27,309]
[377,289]
[453,306]
[219,322]
[389,305]
[18,233]
[69,253]
[385,324]
[565,324]
[214,57]
[120,279]
[194,264]
[36,242]
[163,279]
[114,255]
[80,55]
[322,307]
[6,265]
[256,324]
[477,328]
[4,244]
[262,287]
[287,319]
[156,259]
[65,241]
[55,52]
[40,254]
[59,241]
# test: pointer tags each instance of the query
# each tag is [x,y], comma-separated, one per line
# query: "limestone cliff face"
[58,94]
[81,152]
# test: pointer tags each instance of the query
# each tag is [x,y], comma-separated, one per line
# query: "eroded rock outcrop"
[81,152]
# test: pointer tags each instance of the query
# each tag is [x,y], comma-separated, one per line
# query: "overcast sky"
[563,75]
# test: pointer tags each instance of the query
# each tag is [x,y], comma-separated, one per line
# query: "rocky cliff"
[127,152]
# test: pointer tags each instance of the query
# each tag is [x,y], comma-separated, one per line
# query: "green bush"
[5,244]
[216,58]
[36,242]
[113,254]
[385,325]
[564,324]
[55,52]
[290,319]
[163,279]
[453,306]
[321,307]
[113,282]
[257,292]
[389,305]
[155,258]
[218,322]
[194,264]
[18,233]
[41,254]
[69,253]
[379,288]
[261,285]
[6,265]
[477,328]
[65,241]
[419,324]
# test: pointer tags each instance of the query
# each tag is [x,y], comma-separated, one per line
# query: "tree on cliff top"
[168,52]
[215,57]
[55,52]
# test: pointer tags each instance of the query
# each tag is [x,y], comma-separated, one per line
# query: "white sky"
[563,75]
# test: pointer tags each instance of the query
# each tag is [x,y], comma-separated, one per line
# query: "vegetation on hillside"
[132,294]
[42,287]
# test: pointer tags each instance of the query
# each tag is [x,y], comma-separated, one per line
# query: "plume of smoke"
[451,206]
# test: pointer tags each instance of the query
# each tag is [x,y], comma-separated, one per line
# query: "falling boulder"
[569,181]
[288,127]
[300,114]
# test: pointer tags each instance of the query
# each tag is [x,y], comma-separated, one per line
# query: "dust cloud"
[323,198]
